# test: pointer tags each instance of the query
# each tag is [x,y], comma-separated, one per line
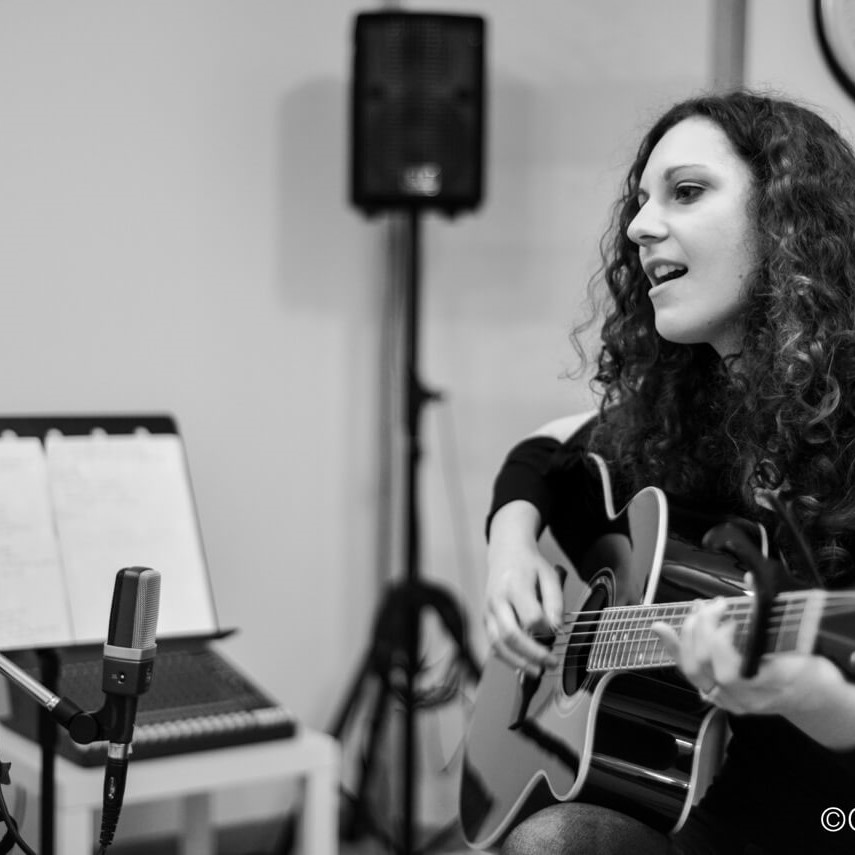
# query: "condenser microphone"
[127,672]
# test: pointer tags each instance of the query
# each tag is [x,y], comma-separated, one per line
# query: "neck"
[624,638]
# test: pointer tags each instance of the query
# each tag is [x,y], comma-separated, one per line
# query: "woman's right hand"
[524,596]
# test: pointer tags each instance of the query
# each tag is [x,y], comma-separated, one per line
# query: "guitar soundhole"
[581,638]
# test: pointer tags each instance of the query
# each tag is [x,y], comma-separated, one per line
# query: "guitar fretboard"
[625,640]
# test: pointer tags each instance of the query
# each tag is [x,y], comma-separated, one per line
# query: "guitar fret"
[655,657]
[663,658]
[625,639]
[595,660]
[608,632]
[611,658]
[778,636]
[735,612]
[650,644]
[677,613]
[658,649]
[596,645]
[636,651]
[617,647]
[631,647]
[613,635]
[812,612]
[614,640]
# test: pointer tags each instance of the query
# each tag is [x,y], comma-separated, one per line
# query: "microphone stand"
[83,727]
[49,668]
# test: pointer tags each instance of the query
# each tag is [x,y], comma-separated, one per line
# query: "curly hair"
[780,414]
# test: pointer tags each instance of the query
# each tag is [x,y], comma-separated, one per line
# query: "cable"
[11,825]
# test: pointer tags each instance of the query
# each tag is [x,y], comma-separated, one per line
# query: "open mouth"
[667,272]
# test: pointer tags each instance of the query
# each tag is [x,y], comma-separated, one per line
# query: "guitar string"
[622,633]
[657,657]
[625,633]
[620,629]
[668,612]
[782,600]
[614,621]
[629,640]
[611,655]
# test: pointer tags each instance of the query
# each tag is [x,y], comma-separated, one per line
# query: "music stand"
[49,657]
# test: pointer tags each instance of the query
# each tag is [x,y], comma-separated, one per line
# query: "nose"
[647,226]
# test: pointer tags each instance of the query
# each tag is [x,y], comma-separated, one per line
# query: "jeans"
[576,828]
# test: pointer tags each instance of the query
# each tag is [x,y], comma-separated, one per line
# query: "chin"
[677,335]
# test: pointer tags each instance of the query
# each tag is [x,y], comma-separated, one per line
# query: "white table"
[190,779]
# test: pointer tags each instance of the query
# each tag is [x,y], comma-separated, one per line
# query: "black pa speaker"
[417,111]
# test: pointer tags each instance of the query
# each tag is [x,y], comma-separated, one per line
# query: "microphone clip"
[103,724]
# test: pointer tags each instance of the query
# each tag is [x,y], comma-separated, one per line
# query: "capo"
[785,514]
[732,538]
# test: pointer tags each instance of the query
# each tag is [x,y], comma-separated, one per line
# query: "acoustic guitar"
[615,723]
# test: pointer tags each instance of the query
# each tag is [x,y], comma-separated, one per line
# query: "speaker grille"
[417,111]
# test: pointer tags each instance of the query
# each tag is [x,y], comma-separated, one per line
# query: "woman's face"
[697,243]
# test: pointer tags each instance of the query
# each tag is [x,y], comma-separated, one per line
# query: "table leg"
[198,837]
[317,829]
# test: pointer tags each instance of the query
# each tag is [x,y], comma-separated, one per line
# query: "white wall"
[784,55]
[504,287]
[176,237]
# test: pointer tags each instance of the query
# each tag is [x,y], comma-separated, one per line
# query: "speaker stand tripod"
[393,654]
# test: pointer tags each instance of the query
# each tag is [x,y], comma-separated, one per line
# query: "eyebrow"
[669,172]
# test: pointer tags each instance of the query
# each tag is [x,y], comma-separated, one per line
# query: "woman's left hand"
[704,651]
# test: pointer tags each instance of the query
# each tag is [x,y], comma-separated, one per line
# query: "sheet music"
[120,501]
[34,607]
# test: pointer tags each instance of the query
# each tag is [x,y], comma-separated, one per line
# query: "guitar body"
[643,741]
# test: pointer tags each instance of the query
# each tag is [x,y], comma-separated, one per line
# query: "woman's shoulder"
[570,428]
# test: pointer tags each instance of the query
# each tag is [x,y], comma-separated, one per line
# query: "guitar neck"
[625,641]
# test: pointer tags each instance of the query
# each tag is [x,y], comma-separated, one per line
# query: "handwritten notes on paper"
[78,509]
[33,601]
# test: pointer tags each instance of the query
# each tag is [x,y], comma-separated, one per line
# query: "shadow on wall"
[323,234]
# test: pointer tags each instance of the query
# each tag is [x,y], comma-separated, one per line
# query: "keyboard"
[198,700]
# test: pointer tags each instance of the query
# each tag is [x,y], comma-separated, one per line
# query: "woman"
[727,374]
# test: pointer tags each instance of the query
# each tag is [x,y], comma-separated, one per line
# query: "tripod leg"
[354,824]
[349,704]
[287,835]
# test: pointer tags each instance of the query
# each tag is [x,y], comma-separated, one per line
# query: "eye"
[688,192]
